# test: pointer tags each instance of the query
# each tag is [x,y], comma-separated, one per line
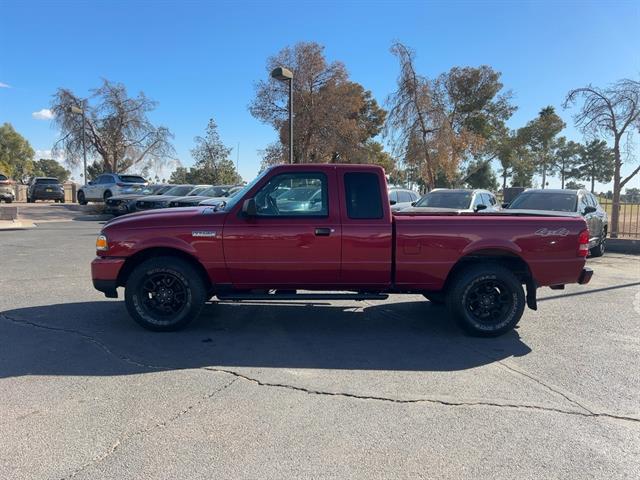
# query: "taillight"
[583,243]
[121,184]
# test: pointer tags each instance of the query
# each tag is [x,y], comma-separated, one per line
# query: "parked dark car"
[574,201]
[400,198]
[459,200]
[123,204]
[220,192]
[153,202]
[6,189]
[45,188]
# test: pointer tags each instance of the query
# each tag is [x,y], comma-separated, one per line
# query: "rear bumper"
[585,276]
[47,195]
[104,273]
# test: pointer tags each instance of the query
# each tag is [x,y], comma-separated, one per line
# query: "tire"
[599,249]
[29,200]
[437,298]
[178,281]
[81,198]
[107,195]
[62,200]
[8,200]
[486,300]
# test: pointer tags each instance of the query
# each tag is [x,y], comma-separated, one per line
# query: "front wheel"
[486,300]
[82,200]
[165,294]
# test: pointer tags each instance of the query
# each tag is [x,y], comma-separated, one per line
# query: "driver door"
[293,240]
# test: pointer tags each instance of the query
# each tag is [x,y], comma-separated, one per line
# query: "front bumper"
[104,273]
[585,276]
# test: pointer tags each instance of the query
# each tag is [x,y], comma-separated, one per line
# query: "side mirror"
[392,202]
[480,207]
[249,208]
[589,209]
[505,205]
[90,182]
[413,204]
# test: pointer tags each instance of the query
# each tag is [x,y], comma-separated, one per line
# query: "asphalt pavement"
[297,390]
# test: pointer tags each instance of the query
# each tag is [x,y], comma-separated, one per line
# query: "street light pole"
[75,109]
[284,74]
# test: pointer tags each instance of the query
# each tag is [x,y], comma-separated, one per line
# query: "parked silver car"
[459,200]
[108,185]
[401,198]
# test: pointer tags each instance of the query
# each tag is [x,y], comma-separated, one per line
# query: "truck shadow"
[99,338]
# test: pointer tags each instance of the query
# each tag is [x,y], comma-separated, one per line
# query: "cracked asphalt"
[296,390]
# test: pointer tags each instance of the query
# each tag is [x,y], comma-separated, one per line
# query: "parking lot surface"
[297,390]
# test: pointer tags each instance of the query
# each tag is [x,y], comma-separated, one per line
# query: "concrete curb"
[623,245]
[16,225]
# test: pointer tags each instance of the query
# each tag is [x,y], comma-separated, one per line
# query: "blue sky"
[200,59]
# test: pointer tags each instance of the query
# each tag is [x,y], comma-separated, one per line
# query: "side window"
[294,195]
[492,199]
[414,197]
[592,200]
[477,200]
[362,193]
[109,179]
[486,199]
[404,197]
[393,196]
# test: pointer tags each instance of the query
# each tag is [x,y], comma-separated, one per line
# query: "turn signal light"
[583,243]
[102,245]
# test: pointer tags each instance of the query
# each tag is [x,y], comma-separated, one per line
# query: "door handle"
[324,231]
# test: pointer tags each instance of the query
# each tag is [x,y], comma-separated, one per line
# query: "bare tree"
[117,129]
[613,113]
[435,125]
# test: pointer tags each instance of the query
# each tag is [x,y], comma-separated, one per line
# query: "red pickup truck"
[329,228]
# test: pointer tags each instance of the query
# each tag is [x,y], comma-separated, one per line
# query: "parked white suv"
[110,184]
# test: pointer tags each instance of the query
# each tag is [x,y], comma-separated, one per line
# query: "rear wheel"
[165,294]
[81,198]
[599,249]
[107,195]
[486,300]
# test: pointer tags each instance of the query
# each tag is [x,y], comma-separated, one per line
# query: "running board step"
[302,296]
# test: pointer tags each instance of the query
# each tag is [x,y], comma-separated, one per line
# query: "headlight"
[102,244]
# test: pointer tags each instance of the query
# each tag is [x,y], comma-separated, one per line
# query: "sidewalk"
[30,214]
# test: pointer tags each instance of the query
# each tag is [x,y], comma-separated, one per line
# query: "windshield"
[457,200]
[558,202]
[241,193]
[132,179]
[197,191]
[219,191]
[179,190]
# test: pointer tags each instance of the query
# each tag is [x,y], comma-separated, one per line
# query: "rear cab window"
[363,196]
